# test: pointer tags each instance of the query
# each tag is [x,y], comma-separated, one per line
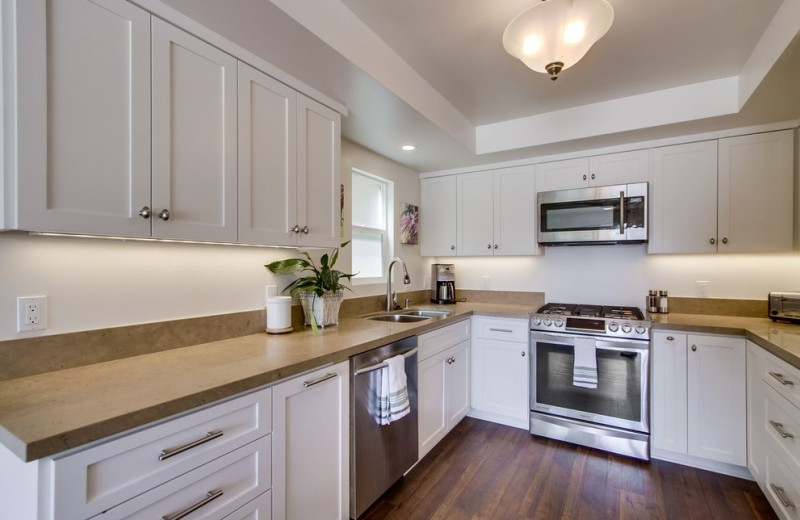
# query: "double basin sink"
[408,315]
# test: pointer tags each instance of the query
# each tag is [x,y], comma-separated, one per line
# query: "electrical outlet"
[484,283]
[31,313]
[702,289]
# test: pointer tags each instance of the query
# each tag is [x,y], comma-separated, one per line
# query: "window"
[372,225]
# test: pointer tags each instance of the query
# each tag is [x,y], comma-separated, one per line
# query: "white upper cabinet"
[475,222]
[267,159]
[601,170]
[318,191]
[194,138]
[683,199]
[756,193]
[83,117]
[438,215]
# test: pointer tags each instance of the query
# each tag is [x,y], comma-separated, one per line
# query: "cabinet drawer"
[784,378]
[782,426]
[436,341]
[503,329]
[216,489]
[782,487]
[98,478]
[258,509]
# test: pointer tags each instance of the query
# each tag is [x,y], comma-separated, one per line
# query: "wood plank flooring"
[483,470]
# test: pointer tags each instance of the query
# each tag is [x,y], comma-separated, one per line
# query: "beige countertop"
[44,414]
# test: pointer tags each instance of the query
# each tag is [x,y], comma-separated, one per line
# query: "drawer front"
[502,329]
[782,377]
[258,509]
[782,487]
[213,490]
[436,341]
[782,426]
[96,479]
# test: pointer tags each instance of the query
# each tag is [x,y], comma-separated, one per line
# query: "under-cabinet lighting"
[143,239]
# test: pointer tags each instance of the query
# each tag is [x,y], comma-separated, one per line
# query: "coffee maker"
[443,283]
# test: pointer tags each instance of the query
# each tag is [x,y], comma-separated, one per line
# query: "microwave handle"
[622,215]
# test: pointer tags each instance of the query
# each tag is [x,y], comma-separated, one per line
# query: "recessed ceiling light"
[409,147]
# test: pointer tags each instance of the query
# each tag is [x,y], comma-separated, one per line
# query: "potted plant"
[320,291]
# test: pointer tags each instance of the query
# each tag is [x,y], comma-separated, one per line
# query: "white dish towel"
[584,368]
[392,391]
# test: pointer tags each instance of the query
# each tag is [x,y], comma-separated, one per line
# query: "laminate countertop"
[44,414]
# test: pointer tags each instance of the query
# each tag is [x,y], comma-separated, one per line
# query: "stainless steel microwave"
[598,215]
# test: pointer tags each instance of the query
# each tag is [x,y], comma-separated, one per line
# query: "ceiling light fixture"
[554,34]
[408,147]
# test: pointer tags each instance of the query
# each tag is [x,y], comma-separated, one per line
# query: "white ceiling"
[435,73]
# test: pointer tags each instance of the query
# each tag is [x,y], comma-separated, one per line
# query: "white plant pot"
[325,307]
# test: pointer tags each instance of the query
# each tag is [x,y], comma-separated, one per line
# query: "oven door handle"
[608,343]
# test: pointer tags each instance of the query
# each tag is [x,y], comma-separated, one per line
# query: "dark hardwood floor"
[483,470]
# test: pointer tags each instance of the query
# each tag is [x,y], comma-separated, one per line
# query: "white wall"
[622,274]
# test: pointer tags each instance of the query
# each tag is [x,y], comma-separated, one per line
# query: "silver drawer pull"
[171,452]
[329,375]
[501,330]
[781,494]
[210,496]
[779,428]
[670,338]
[782,380]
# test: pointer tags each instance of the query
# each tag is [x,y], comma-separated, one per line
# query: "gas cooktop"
[596,320]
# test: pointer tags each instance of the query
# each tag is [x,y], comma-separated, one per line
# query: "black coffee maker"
[443,283]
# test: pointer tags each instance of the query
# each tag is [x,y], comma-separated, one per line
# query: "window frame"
[387,242]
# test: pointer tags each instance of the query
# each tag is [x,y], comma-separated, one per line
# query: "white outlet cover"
[31,313]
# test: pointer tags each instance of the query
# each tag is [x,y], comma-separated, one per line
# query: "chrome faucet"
[391,297]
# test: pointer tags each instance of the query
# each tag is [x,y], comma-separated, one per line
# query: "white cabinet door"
[194,137]
[432,401]
[500,380]
[717,400]
[756,194]
[475,225]
[515,212]
[669,387]
[619,168]
[683,199]
[83,117]
[267,168]
[562,175]
[457,384]
[756,413]
[318,190]
[438,216]
[311,475]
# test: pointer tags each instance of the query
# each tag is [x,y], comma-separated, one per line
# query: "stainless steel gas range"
[589,377]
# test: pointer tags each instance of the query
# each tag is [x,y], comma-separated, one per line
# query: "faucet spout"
[391,297]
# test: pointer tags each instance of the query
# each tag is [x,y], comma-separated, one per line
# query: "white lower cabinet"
[500,371]
[443,382]
[258,509]
[310,450]
[699,402]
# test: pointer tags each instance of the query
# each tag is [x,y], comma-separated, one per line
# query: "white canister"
[279,314]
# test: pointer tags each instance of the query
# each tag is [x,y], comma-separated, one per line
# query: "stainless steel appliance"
[379,455]
[784,306]
[443,283]
[598,215]
[614,414]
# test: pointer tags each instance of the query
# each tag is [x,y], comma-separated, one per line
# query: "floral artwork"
[409,222]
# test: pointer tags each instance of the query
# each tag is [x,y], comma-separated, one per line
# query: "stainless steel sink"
[400,318]
[427,313]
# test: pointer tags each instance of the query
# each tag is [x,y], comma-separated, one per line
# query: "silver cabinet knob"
[164,215]
[488,246]
[452,248]
[305,230]
[495,246]
[592,176]
[694,348]
[523,353]
[724,240]
[670,338]
[584,177]
[145,212]
[712,241]
[295,229]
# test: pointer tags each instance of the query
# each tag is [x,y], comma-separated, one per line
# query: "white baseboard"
[499,419]
[700,463]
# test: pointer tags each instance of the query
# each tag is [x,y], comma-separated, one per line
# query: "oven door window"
[619,382]
[580,215]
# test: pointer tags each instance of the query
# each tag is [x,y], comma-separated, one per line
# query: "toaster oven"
[784,306]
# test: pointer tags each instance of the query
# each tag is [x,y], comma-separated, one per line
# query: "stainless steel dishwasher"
[379,455]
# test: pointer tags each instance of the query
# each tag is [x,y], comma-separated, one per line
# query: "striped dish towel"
[584,368]
[392,392]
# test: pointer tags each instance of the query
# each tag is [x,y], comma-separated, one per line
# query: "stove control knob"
[613,326]
[626,328]
[640,329]
[559,322]
[548,322]
[537,320]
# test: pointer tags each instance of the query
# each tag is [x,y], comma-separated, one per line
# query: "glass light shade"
[554,35]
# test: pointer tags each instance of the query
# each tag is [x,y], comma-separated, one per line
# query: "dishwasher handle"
[378,366]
